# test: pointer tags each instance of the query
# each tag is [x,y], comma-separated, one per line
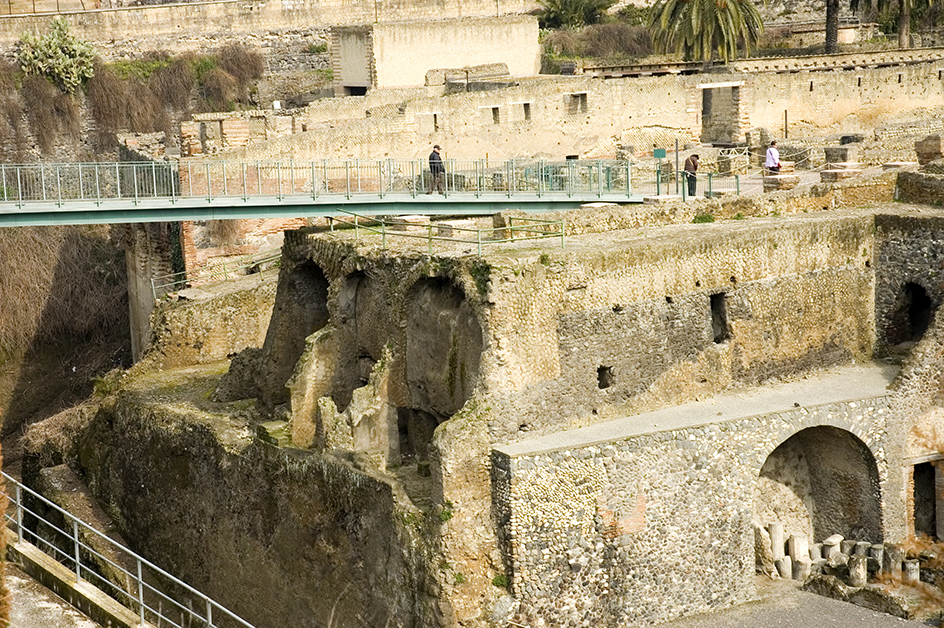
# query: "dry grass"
[59,285]
[241,63]
[224,232]
[51,441]
[40,95]
[615,40]
[173,85]
[144,109]
[219,89]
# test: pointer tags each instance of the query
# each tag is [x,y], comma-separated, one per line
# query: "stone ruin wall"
[619,114]
[649,528]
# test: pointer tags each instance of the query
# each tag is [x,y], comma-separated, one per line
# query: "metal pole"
[676,167]
[19,512]
[709,185]
[209,613]
[59,185]
[225,182]
[75,539]
[140,593]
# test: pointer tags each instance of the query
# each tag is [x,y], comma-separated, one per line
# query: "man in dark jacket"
[691,167]
[437,170]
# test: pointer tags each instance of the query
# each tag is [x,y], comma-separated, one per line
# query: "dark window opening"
[435,122]
[668,300]
[496,118]
[719,318]
[859,82]
[925,507]
[355,90]
[605,377]
[527,111]
[577,103]
[899,78]
[572,157]
[811,85]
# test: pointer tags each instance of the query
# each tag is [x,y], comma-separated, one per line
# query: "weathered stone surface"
[831,176]
[929,149]
[773,182]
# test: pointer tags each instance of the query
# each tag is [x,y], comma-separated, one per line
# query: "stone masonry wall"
[648,528]
[591,117]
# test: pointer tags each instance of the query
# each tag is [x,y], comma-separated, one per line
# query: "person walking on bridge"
[436,170]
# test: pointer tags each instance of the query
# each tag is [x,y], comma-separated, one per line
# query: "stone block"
[929,149]
[235,133]
[780,182]
[841,153]
[775,529]
[893,557]
[410,223]
[847,546]
[912,570]
[662,198]
[843,165]
[831,176]
[785,567]
[802,567]
[862,547]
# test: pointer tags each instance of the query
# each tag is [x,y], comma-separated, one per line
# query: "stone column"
[892,560]
[799,547]
[858,570]
[912,570]
[775,529]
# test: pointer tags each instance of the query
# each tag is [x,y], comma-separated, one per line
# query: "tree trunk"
[832,26]
[904,24]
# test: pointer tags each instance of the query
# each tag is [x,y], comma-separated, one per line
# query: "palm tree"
[705,29]
[832,25]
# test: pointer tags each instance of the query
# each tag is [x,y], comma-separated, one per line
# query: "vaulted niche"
[819,482]
[301,308]
[910,316]
[444,345]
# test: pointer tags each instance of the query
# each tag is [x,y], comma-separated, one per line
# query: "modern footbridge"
[125,192]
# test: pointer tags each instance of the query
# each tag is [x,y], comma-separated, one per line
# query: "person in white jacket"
[772,163]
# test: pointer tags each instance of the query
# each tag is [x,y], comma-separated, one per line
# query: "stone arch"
[819,482]
[443,349]
[301,309]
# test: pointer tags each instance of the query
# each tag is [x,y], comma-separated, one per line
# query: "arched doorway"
[819,482]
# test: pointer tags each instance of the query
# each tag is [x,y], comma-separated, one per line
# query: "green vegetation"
[705,30]
[481,273]
[446,513]
[572,13]
[703,218]
[500,581]
[316,49]
[58,56]
[458,578]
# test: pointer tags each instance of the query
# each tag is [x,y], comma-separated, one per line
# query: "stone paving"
[35,606]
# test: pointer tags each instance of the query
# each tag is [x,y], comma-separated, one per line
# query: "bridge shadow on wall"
[74,299]
[819,482]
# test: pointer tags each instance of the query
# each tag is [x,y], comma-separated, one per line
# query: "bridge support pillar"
[150,251]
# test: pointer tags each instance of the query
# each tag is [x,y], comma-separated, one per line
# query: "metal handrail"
[532,228]
[212,274]
[149,602]
[137,182]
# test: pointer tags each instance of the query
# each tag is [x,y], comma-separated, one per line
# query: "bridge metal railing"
[155,595]
[379,178]
[518,229]
[215,273]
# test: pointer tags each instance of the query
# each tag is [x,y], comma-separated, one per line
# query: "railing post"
[599,178]
[208,184]
[209,613]
[153,178]
[245,191]
[140,592]
[478,237]
[347,171]
[709,185]
[225,182]
[118,180]
[134,175]
[58,185]
[19,511]
[511,228]
[75,540]
[98,187]
[737,184]
[19,185]
[278,177]
[314,188]
[42,179]
[563,231]
[291,165]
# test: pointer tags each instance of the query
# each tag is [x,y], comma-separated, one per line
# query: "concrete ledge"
[662,198]
[844,165]
[88,599]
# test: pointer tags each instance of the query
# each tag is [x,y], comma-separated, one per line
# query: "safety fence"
[518,229]
[156,596]
[216,273]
